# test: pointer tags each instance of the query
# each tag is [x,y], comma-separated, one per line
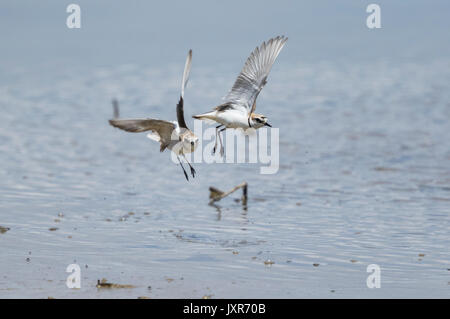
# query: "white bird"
[240,103]
[175,135]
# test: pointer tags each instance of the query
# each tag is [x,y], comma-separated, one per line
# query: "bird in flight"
[240,103]
[175,136]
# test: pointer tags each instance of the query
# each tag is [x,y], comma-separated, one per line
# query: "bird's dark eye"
[192,143]
[258,120]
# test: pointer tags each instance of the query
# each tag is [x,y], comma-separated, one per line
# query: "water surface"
[364,179]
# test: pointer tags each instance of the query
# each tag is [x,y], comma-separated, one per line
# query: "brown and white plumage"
[162,130]
[175,135]
[180,105]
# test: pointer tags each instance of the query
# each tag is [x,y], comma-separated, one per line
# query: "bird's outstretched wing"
[180,105]
[254,74]
[163,129]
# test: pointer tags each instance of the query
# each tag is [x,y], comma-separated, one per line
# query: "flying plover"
[175,135]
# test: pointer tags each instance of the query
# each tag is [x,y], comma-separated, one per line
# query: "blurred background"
[364,151]
[151,34]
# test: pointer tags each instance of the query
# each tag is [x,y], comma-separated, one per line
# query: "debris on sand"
[53,228]
[268,262]
[316,265]
[3,229]
[105,284]
[216,194]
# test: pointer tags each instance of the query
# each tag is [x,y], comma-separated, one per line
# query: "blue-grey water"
[364,173]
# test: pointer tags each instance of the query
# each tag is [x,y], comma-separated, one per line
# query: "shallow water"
[364,179]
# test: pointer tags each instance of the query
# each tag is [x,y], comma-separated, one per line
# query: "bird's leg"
[184,171]
[220,139]
[193,172]
[215,144]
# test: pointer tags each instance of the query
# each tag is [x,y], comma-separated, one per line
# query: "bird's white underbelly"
[181,147]
[175,145]
[233,119]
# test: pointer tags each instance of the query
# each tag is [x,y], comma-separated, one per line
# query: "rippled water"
[364,179]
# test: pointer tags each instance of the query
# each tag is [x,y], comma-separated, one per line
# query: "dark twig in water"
[115,104]
[216,194]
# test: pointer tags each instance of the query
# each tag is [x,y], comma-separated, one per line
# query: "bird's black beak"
[267,124]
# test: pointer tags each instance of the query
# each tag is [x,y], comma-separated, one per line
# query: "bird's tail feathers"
[207,117]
